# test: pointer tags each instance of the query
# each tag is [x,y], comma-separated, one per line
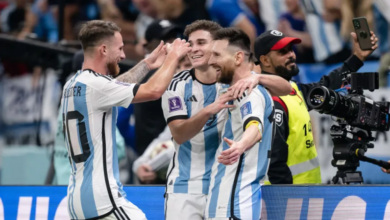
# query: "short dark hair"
[235,36]
[93,32]
[204,25]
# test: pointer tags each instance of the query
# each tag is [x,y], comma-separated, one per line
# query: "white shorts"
[181,206]
[126,212]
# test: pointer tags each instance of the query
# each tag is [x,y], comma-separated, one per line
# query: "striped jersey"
[89,114]
[325,35]
[235,190]
[190,168]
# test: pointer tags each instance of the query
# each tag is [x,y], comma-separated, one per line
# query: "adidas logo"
[192,99]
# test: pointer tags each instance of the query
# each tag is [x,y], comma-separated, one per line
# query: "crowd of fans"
[323,25]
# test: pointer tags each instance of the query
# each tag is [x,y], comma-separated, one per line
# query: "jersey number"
[82,136]
[306,128]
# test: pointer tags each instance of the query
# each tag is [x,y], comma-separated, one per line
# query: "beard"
[226,76]
[286,73]
[113,68]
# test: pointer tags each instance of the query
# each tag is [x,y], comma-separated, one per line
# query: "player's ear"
[103,49]
[239,58]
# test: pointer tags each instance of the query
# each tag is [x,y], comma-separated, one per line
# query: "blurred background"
[39,51]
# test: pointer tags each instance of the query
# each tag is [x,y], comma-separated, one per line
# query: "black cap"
[272,40]
[159,29]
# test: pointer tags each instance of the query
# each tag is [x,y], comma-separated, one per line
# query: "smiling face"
[222,60]
[114,54]
[200,42]
[283,61]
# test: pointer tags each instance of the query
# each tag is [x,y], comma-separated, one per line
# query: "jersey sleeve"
[251,108]
[173,104]
[116,93]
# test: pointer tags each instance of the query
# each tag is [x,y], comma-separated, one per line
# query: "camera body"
[356,109]
[357,116]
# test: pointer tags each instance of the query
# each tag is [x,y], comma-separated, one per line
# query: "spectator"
[151,168]
[270,12]
[41,20]
[181,12]
[13,18]
[349,10]
[328,45]
[149,118]
[292,23]
[382,24]
[147,14]
[235,13]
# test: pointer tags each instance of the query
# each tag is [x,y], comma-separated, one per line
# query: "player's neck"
[95,65]
[207,76]
[242,72]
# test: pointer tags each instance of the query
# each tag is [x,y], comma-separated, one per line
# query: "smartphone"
[362,32]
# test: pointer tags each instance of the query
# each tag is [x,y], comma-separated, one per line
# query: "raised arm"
[276,85]
[184,129]
[155,87]
[139,71]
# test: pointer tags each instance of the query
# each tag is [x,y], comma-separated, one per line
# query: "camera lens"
[356,24]
[327,101]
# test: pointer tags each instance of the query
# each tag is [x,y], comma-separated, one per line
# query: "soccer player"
[242,159]
[89,114]
[192,109]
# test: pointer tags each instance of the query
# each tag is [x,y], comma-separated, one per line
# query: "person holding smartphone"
[294,156]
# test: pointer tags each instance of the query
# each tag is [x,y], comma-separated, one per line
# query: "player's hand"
[384,170]
[220,103]
[157,57]
[145,174]
[363,54]
[240,86]
[179,47]
[231,155]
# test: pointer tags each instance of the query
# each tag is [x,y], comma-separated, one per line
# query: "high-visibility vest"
[302,154]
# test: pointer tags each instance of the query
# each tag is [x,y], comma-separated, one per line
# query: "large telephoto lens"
[328,101]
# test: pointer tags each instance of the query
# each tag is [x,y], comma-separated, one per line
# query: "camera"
[357,116]
[356,24]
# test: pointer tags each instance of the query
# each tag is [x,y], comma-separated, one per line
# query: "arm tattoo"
[135,74]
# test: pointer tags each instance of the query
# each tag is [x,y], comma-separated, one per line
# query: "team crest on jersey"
[246,109]
[175,104]
[278,117]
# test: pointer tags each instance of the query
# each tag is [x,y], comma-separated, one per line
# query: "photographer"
[294,156]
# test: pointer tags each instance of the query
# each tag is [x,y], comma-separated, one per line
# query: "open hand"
[231,155]
[220,103]
[179,47]
[240,86]
[157,57]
